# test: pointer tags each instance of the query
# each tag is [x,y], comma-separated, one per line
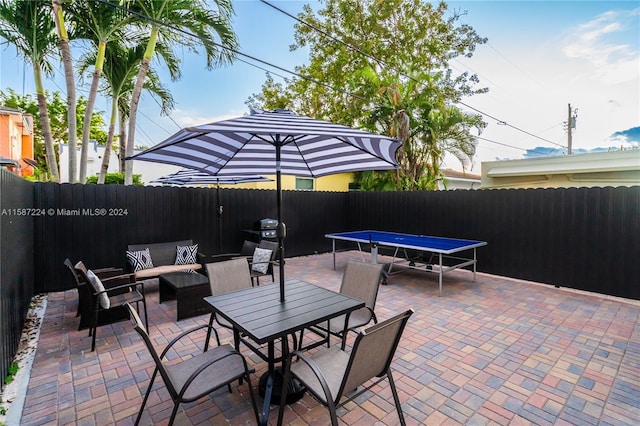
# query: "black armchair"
[84,310]
[109,294]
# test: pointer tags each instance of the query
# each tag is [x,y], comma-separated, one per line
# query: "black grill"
[268,229]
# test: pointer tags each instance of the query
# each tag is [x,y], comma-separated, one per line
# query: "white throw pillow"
[261,258]
[105,303]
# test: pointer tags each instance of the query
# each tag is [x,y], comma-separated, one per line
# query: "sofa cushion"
[186,255]
[140,259]
[164,269]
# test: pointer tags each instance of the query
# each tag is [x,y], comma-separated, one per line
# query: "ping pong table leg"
[440,274]
[475,261]
[334,254]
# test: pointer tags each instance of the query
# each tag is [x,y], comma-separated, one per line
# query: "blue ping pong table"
[444,248]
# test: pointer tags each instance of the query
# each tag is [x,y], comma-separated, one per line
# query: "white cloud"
[598,43]
[188,118]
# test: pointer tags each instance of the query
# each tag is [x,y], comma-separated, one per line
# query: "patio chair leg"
[253,397]
[146,396]
[146,315]
[395,398]
[283,395]
[94,326]
[299,348]
[174,412]
[206,343]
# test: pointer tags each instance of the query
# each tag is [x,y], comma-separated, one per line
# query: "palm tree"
[65,53]
[416,112]
[120,68]
[100,23]
[165,21]
[27,24]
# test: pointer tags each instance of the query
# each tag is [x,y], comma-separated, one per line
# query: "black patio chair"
[257,268]
[112,293]
[263,267]
[361,280]
[84,296]
[331,374]
[195,377]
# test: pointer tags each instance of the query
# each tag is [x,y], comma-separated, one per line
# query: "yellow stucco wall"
[338,183]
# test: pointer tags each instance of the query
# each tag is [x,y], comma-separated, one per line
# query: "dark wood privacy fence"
[16,263]
[95,223]
[583,238]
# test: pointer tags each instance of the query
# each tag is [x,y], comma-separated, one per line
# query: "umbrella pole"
[219,218]
[281,227]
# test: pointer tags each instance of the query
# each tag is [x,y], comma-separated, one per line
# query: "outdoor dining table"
[258,313]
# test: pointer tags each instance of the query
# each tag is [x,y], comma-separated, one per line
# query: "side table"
[188,289]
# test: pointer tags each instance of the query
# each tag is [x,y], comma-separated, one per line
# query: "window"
[304,184]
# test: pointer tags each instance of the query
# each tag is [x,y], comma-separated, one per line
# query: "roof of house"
[455,174]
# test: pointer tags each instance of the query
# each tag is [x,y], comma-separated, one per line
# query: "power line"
[358,50]
[235,51]
[313,80]
[509,125]
[511,146]
[155,123]
[324,33]
[169,116]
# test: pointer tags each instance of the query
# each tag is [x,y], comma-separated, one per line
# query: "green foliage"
[393,78]
[13,370]
[116,179]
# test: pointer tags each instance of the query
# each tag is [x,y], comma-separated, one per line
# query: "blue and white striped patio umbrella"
[280,142]
[188,177]
[197,177]
[247,144]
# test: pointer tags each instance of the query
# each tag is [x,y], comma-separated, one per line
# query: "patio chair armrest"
[115,279]
[206,365]
[107,273]
[127,286]
[373,315]
[270,265]
[212,258]
[107,270]
[180,336]
[251,262]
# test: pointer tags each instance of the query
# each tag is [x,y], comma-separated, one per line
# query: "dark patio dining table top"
[258,312]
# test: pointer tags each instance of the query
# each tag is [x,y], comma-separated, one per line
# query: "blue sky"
[541,56]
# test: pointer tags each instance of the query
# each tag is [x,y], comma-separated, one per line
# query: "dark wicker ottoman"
[188,289]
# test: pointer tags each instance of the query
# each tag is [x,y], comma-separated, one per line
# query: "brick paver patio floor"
[498,351]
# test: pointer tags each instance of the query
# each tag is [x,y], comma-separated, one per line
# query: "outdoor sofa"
[152,260]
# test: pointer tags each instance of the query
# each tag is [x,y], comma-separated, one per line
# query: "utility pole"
[571,124]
